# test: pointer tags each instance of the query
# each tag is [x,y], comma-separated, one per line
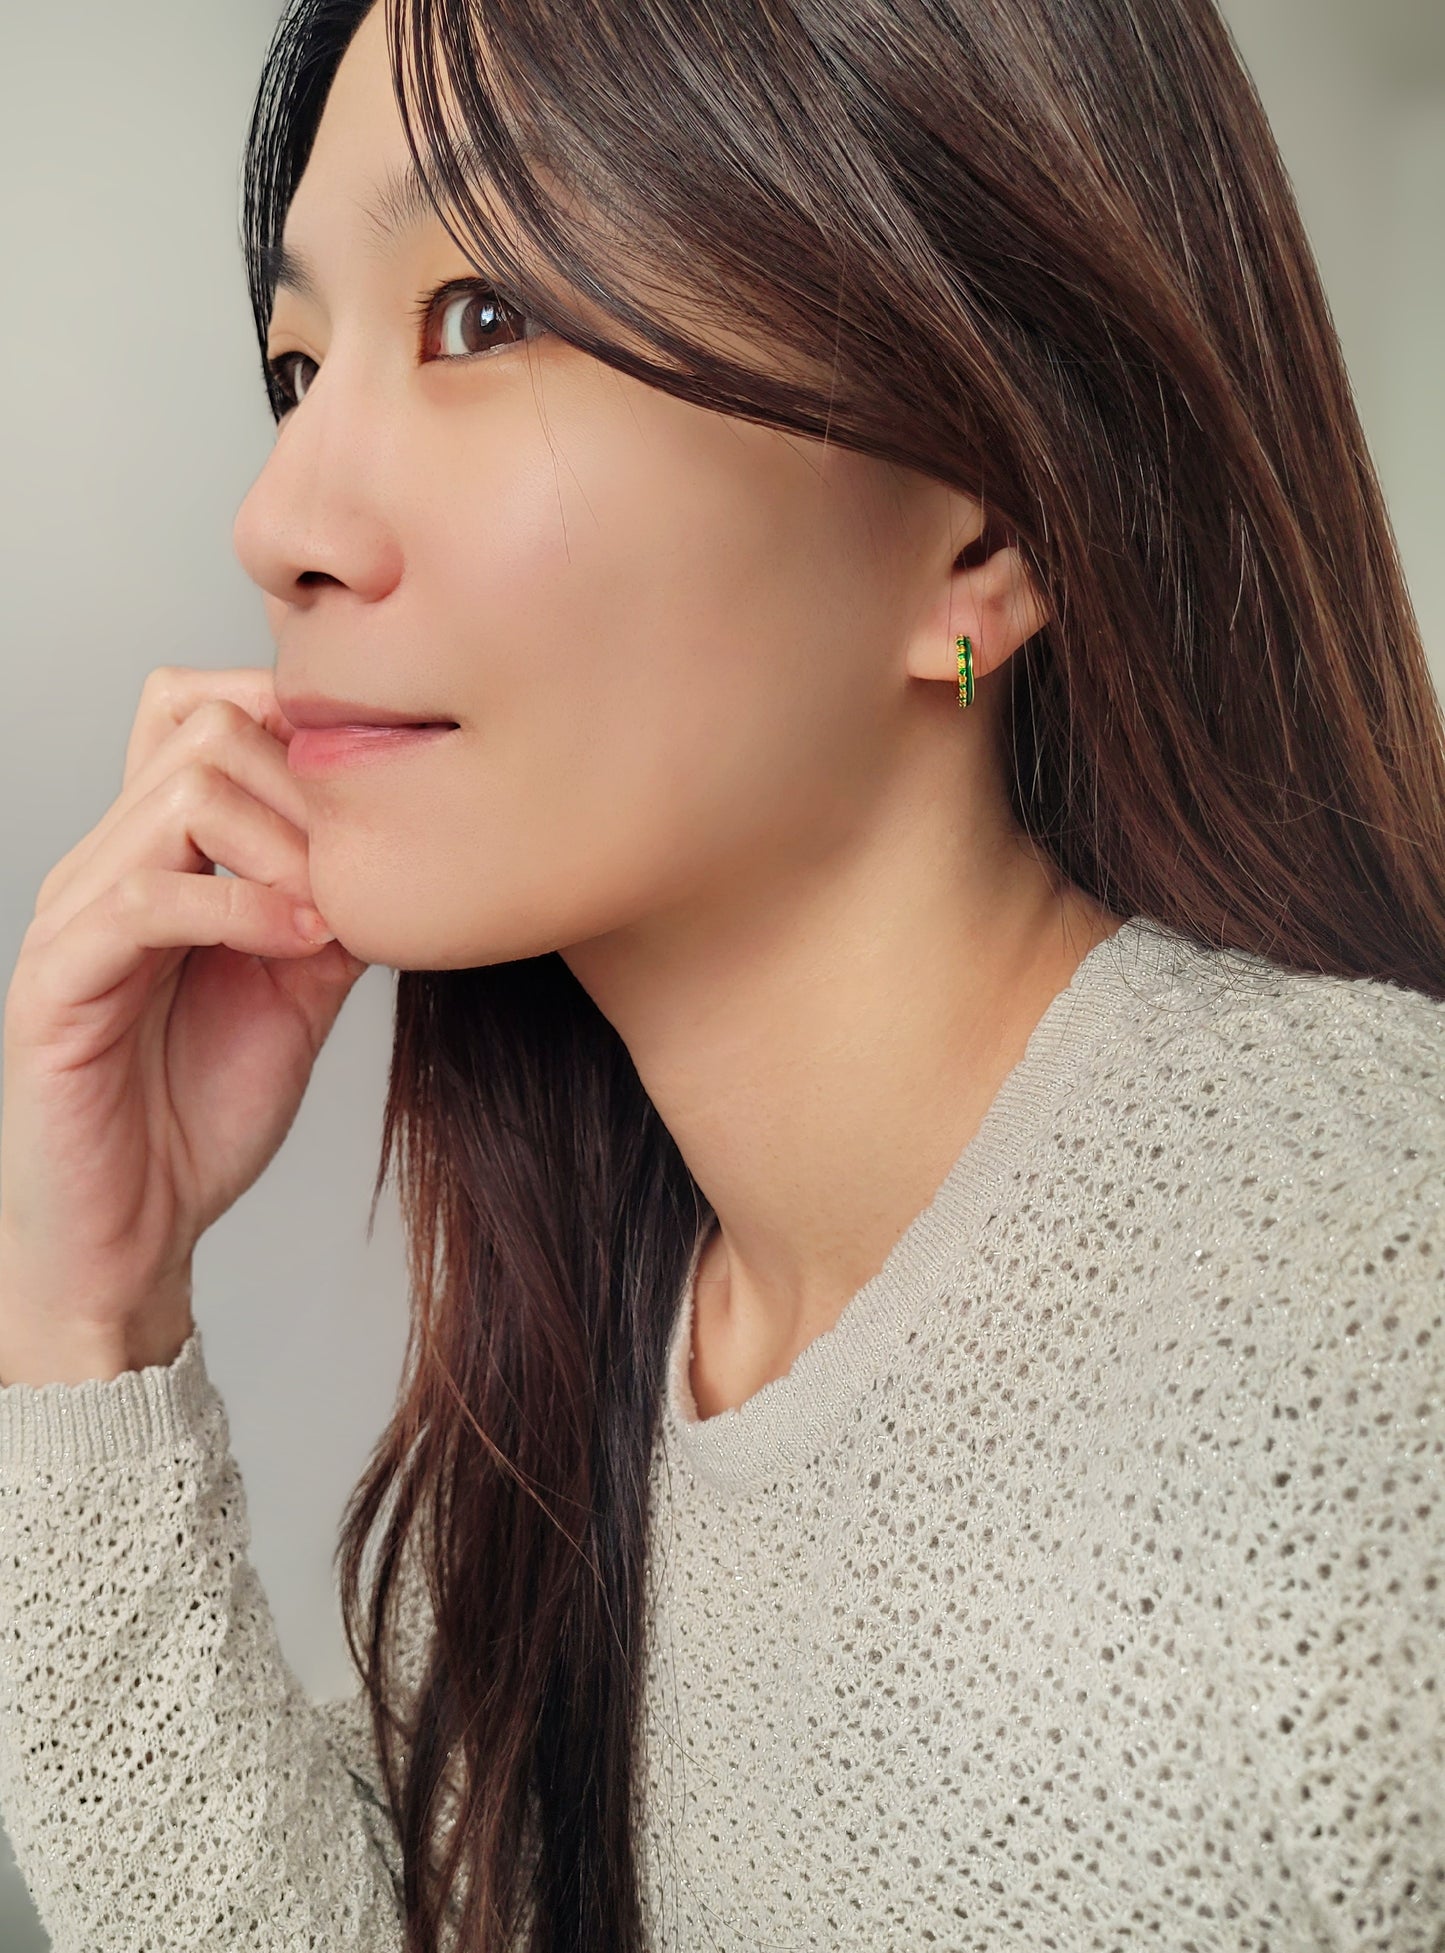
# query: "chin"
[416,948]
[429,913]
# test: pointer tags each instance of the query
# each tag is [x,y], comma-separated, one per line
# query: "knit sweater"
[1083,1588]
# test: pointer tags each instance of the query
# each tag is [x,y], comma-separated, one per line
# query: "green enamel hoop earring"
[965,672]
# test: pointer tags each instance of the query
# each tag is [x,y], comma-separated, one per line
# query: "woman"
[922,1424]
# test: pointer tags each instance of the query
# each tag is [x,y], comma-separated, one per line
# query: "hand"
[162,1021]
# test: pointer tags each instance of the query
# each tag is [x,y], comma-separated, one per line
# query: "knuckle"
[195,786]
[235,900]
[159,683]
[37,933]
[129,894]
[23,1002]
[217,721]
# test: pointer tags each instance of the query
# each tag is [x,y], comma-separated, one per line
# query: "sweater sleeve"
[165,1781]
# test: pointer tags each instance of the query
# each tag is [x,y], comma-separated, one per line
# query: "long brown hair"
[1045,252]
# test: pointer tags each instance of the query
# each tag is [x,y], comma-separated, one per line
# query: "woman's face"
[672,642]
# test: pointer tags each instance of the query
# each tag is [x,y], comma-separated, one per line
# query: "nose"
[317,513]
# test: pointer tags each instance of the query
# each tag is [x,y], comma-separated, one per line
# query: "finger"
[147,910]
[171,694]
[220,733]
[196,816]
[217,730]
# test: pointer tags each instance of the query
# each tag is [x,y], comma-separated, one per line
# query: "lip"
[314,710]
[315,750]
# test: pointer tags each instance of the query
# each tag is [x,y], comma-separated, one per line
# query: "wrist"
[37,1356]
[43,1340]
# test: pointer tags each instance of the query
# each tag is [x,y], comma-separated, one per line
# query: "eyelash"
[279,368]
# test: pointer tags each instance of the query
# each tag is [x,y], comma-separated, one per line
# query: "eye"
[474,319]
[469,313]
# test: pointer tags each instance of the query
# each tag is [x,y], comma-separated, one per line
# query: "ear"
[986,595]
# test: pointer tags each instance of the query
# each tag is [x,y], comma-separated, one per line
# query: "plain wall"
[135,422]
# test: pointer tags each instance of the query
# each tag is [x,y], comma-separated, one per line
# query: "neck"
[822,1060]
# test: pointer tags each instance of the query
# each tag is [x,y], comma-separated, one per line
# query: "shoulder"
[1223,1277]
[1290,1020]
[1318,1095]
[1258,1161]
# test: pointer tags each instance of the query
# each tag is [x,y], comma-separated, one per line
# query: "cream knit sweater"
[1083,1588]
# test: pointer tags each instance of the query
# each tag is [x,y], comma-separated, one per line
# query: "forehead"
[360,143]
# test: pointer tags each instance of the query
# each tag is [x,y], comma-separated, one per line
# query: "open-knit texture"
[1083,1588]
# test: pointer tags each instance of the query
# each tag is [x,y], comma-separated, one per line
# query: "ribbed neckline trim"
[782,1427]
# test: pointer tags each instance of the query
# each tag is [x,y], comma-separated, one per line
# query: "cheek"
[638,596]
[642,624]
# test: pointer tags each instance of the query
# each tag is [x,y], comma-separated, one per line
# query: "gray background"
[135,422]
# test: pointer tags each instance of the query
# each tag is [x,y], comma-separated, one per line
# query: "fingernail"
[312,925]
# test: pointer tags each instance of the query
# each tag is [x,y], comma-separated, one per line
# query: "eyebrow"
[402,205]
